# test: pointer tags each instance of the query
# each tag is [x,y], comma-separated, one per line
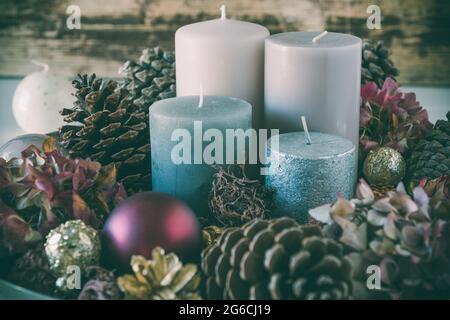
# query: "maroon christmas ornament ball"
[145,221]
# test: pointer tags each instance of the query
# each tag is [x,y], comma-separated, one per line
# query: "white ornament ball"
[38,99]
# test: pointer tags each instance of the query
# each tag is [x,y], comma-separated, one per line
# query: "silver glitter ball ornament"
[72,245]
[384,167]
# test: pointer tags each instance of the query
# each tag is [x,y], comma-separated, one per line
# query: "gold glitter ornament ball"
[384,167]
[72,244]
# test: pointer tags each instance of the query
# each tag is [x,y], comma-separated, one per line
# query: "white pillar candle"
[315,75]
[225,57]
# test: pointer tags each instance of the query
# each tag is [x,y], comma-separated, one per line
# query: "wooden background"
[417,31]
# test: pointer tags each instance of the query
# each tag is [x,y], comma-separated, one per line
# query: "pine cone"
[113,130]
[32,271]
[99,284]
[276,259]
[162,278]
[376,65]
[152,78]
[430,156]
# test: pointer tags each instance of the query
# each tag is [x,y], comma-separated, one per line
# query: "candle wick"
[223,12]
[41,64]
[320,36]
[305,128]
[200,100]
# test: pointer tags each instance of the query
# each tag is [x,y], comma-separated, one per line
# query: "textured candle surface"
[225,57]
[306,176]
[191,182]
[319,80]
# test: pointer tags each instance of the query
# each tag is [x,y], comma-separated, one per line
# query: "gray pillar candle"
[305,176]
[198,124]
[314,75]
[225,57]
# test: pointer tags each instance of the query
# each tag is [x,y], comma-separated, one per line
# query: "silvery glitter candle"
[306,176]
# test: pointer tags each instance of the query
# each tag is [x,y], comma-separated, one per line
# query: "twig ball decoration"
[235,199]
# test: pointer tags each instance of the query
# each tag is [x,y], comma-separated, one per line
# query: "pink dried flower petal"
[369,90]
[365,117]
[394,118]
[47,186]
[390,85]
[15,234]
[369,145]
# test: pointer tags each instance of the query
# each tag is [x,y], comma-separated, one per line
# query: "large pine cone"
[113,130]
[32,271]
[376,65]
[152,78]
[276,259]
[430,157]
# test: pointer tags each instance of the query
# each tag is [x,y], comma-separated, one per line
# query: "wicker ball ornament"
[384,167]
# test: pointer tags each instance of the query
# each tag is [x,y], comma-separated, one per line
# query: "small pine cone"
[430,156]
[32,271]
[150,79]
[276,259]
[376,65]
[100,284]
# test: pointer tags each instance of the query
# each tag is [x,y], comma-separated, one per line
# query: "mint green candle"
[187,137]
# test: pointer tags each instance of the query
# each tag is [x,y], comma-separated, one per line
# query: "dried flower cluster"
[405,236]
[41,190]
[390,117]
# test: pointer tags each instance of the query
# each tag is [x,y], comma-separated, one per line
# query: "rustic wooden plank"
[115,31]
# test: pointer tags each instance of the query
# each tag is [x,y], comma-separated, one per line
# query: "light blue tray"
[9,291]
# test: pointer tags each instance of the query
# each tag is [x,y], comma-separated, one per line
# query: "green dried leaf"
[29,200]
